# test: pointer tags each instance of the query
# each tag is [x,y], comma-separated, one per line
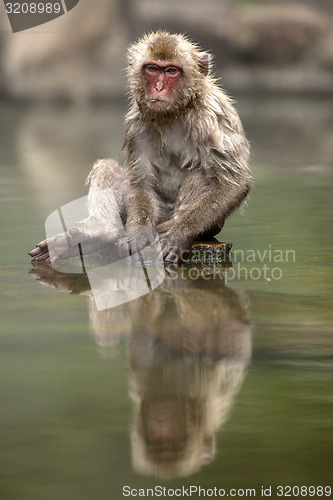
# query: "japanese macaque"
[186,156]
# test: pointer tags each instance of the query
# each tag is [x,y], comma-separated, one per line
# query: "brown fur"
[197,144]
[186,167]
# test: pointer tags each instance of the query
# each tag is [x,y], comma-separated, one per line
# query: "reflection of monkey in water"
[189,344]
[186,154]
[185,368]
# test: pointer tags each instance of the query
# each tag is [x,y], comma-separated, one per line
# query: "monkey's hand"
[174,246]
[135,239]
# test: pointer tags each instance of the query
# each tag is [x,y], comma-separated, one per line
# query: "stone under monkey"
[186,156]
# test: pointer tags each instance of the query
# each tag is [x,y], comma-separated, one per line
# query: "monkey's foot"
[70,244]
[58,245]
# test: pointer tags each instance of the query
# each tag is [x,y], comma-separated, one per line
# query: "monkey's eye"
[172,70]
[152,67]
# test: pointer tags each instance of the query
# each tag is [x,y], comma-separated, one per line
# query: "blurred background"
[259,45]
[67,397]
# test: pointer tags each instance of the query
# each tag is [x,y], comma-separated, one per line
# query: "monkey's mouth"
[158,101]
[154,99]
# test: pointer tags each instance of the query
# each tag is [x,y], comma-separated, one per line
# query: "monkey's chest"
[169,179]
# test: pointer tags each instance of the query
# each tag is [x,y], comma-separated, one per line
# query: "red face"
[161,78]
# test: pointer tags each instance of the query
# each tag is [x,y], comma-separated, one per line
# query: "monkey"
[186,155]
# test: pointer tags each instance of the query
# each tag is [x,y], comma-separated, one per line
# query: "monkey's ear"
[204,62]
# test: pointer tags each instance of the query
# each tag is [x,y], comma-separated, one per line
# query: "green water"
[93,401]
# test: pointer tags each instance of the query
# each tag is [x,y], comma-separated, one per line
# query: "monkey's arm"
[212,190]
[142,211]
[142,206]
[199,209]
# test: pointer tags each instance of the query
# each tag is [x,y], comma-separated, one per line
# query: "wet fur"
[186,167]
[193,157]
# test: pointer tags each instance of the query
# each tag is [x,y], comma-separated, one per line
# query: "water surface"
[223,381]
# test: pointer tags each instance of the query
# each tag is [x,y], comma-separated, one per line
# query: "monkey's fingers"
[136,240]
[171,257]
[51,246]
[34,252]
[170,254]
[41,257]
[174,250]
[40,248]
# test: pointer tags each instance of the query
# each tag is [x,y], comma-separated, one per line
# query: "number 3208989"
[304,491]
[33,8]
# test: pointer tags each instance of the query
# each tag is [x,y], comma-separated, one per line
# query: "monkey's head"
[166,73]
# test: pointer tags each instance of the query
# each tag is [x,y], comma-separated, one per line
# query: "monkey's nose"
[159,86]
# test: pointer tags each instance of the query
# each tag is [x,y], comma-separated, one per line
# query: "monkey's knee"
[105,174]
[210,234]
[107,193]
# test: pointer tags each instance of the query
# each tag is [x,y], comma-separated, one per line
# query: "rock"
[209,252]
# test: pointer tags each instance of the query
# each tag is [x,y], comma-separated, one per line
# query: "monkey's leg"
[106,207]
[211,233]
[106,198]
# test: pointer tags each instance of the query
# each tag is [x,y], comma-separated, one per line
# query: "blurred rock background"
[259,46]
